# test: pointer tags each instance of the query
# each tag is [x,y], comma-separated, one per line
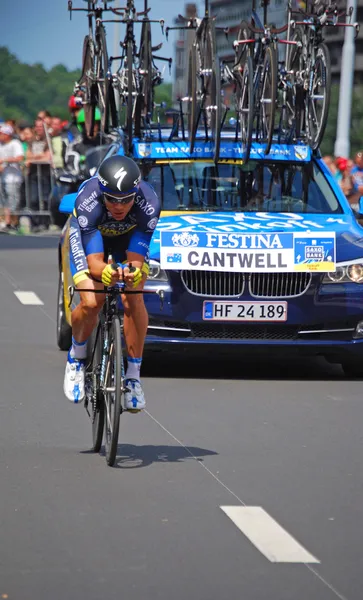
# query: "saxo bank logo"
[185,239]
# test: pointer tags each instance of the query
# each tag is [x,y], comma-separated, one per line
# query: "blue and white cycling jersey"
[94,230]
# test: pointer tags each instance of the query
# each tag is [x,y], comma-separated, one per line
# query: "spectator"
[329,161]
[346,180]
[11,157]
[46,117]
[357,171]
[26,136]
[38,159]
[57,143]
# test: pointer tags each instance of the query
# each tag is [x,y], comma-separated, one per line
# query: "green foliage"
[163,93]
[356,129]
[27,89]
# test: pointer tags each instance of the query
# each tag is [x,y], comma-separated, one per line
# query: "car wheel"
[353,368]
[64,330]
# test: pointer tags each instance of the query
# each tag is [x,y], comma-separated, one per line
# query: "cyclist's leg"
[135,328]
[136,319]
[84,316]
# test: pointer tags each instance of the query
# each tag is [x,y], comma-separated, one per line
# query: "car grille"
[244,332]
[261,285]
[217,284]
[279,285]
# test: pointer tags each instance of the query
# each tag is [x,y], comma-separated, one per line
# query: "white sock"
[78,350]
[133,368]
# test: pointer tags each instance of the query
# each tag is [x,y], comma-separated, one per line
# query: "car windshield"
[254,187]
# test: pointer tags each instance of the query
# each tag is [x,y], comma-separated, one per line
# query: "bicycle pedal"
[134,411]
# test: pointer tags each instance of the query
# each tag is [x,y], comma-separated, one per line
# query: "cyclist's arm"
[138,248]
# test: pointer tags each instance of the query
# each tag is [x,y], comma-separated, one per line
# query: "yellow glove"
[136,272]
[107,273]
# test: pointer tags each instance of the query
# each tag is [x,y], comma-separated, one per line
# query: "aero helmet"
[119,178]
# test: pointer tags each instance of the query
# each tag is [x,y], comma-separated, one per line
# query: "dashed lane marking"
[274,542]
[29,298]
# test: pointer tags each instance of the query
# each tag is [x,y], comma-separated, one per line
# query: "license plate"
[244,311]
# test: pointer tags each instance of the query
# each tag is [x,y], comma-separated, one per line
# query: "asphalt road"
[285,439]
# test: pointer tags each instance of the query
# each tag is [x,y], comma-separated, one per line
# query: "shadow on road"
[260,367]
[137,457]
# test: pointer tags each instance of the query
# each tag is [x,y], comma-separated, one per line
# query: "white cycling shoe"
[74,379]
[134,399]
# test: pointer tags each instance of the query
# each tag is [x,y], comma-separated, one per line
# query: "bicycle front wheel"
[318,97]
[112,391]
[268,91]
[93,383]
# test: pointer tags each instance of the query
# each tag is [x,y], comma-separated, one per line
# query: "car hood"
[349,234]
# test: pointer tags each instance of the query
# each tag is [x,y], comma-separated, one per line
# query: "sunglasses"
[119,199]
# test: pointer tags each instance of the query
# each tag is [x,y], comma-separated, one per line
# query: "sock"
[78,350]
[133,368]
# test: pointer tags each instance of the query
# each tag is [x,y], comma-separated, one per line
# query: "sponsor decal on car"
[249,252]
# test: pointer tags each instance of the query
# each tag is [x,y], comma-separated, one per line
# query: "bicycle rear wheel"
[296,94]
[193,97]
[267,103]
[318,97]
[245,106]
[112,391]
[130,100]
[244,50]
[103,87]
[215,98]
[146,72]
[87,82]
[93,375]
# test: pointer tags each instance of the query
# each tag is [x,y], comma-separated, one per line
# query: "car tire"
[353,369]
[64,330]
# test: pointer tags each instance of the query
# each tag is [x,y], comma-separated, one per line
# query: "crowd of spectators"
[32,155]
[349,175]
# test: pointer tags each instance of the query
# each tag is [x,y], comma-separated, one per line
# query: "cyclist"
[115,213]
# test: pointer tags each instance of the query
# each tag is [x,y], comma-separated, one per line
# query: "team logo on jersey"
[83,221]
[152,223]
[120,176]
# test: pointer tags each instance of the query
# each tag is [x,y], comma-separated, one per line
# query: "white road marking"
[274,542]
[29,298]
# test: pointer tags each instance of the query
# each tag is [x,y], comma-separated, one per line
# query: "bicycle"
[311,64]
[105,371]
[137,75]
[255,70]
[204,81]
[95,83]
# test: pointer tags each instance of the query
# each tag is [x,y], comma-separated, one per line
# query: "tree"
[26,89]
[356,129]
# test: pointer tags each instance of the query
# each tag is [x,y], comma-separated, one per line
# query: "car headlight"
[345,274]
[155,272]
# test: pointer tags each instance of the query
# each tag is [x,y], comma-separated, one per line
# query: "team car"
[260,256]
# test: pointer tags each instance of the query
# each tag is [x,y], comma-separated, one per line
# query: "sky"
[40,31]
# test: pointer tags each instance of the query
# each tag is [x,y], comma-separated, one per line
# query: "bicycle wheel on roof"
[318,97]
